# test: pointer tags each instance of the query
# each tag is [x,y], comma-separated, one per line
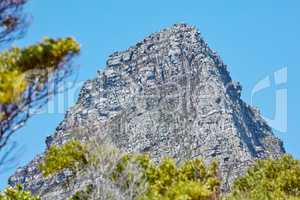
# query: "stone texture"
[169,95]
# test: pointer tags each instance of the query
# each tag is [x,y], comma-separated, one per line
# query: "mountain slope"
[169,95]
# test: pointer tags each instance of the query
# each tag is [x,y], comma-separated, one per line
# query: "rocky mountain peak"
[168,95]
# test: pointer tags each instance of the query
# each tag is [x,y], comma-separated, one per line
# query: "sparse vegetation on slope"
[83,194]
[71,156]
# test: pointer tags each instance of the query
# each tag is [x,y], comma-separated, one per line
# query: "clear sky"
[254,38]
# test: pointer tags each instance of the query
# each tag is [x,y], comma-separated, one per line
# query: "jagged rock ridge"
[169,95]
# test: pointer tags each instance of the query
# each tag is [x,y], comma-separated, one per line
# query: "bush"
[71,155]
[191,181]
[269,180]
[17,194]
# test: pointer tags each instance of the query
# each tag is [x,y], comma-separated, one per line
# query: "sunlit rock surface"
[169,95]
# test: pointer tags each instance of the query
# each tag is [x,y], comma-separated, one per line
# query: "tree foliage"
[17,194]
[269,180]
[191,181]
[28,77]
[71,155]
[16,66]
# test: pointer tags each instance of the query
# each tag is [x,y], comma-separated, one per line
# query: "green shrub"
[269,180]
[17,194]
[191,181]
[71,155]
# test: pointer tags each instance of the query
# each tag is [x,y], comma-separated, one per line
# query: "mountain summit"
[169,95]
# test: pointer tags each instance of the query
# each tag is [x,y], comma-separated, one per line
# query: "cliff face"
[169,95]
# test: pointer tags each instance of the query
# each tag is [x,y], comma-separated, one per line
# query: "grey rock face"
[169,95]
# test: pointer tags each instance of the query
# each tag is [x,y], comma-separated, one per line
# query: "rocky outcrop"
[169,95]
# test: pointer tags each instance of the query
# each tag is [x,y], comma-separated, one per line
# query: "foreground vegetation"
[269,180]
[191,180]
[17,194]
[29,76]
[139,176]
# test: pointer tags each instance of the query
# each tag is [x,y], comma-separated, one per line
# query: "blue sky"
[254,38]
